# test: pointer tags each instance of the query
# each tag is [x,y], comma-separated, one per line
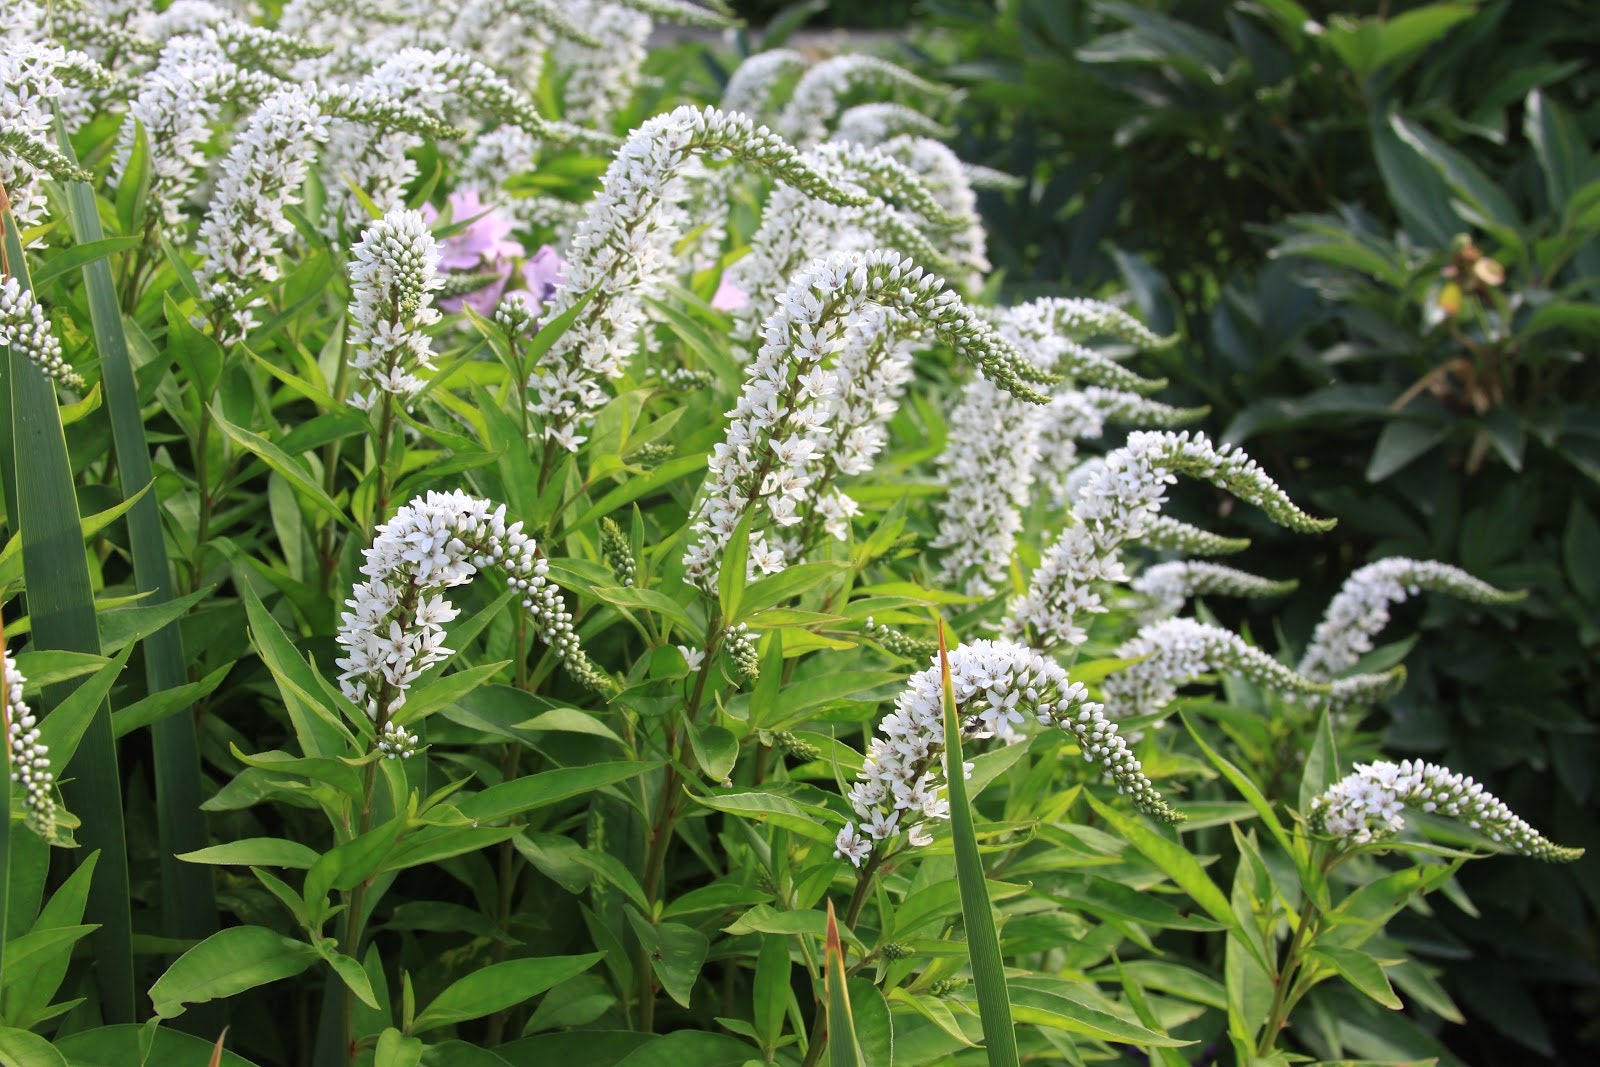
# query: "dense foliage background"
[1293,188]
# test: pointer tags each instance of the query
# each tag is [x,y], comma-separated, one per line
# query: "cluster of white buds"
[245,230]
[998,687]
[898,642]
[394,628]
[873,124]
[514,36]
[176,105]
[1066,324]
[1175,652]
[393,274]
[942,172]
[25,330]
[622,252]
[32,77]
[30,760]
[815,103]
[396,742]
[1114,506]
[1361,608]
[753,83]
[1170,585]
[1166,534]
[1368,805]
[773,449]
[600,79]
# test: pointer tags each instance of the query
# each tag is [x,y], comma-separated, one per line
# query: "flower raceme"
[1368,806]
[998,686]
[1114,506]
[393,274]
[778,441]
[394,628]
[25,330]
[30,760]
[1170,585]
[1361,609]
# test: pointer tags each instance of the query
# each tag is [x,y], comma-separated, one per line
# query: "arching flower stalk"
[1361,608]
[1174,652]
[998,686]
[394,630]
[1082,415]
[873,124]
[982,177]
[751,86]
[1170,585]
[942,171]
[245,229]
[815,102]
[1368,806]
[1059,324]
[1166,534]
[30,760]
[176,105]
[33,77]
[622,252]
[601,79]
[771,454]
[514,37]
[1115,506]
[25,331]
[375,159]
[714,16]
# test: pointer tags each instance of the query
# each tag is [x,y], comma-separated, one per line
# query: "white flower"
[998,686]
[25,330]
[851,846]
[393,273]
[30,760]
[1368,804]
[694,657]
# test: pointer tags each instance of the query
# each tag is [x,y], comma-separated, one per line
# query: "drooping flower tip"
[1368,806]
[30,759]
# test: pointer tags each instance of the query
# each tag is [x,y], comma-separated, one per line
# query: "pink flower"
[484,246]
[729,297]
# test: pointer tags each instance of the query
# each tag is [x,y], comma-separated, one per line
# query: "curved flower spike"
[1176,652]
[1083,319]
[780,435]
[25,330]
[32,77]
[1368,805]
[622,251]
[682,12]
[1113,505]
[1170,535]
[872,124]
[1170,585]
[815,101]
[982,177]
[394,628]
[1364,690]
[998,686]
[1037,323]
[893,182]
[1361,608]
[30,760]
[753,82]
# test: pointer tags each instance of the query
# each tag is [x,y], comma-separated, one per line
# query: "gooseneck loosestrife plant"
[308,318]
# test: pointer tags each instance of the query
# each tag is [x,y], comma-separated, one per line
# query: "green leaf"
[1580,550]
[128,1045]
[1322,764]
[81,255]
[62,610]
[770,990]
[677,952]
[64,727]
[1169,857]
[19,1048]
[977,914]
[284,464]
[395,1049]
[133,189]
[500,986]
[715,750]
[1559,146]
[769,808]
[350,973]
[1401,442]
[731,578]
[1361,971]
[788,584]
[256,852]
[1051,1002]
[531,792]
[228,962]
[844,1047]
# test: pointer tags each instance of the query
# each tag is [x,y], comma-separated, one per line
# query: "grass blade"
[844,1050]
[983,941]
[189,905]
[61,603]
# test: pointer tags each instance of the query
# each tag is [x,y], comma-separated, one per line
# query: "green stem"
[1283,998]
[816,1042]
